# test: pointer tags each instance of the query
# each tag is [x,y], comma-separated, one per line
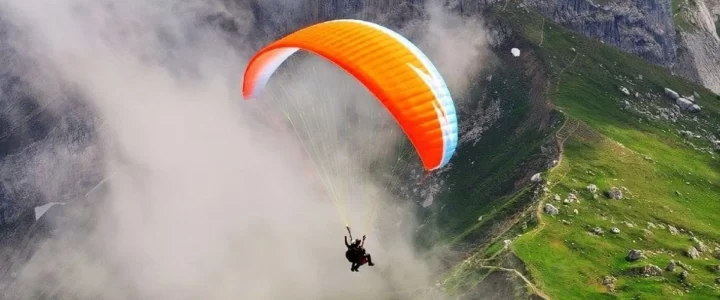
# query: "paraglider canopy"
[403,81]
[408,85]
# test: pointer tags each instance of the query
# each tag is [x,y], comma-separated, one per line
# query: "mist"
[204,199]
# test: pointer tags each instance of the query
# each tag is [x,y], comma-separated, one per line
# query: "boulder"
[592,188]
[684,275]
[692,252]
[615,193]
[634,255]
[671,266]
[625,91]
[648,270]
[551,210]
[694,108]
[672,94]
[683,103]
[536,178]
[609,282]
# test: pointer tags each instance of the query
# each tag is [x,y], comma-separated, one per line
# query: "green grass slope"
[661,158]
[613,140]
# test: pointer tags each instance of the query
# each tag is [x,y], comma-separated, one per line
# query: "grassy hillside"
[659,157]
[667,178]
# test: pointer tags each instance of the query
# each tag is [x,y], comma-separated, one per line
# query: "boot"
[369,260]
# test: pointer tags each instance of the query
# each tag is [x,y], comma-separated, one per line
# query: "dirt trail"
[560,137]
[560,142]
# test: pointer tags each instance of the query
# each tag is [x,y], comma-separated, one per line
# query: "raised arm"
[349,233]
[346,243]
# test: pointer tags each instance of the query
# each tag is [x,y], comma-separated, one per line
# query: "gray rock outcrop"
[692,252]
[615,193]
[551,210]
[642,27]
[672,94]
[698,57]
[634,255]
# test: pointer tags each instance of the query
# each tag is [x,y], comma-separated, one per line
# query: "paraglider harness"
[356,253]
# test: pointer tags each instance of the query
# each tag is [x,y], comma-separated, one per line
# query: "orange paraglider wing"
[401,77]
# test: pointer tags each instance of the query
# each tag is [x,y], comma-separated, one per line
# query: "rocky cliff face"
[46,149]
[699,43]
[276,18]
[642,27]
[683,39]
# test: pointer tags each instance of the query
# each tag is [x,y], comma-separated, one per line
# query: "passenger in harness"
[356,253]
